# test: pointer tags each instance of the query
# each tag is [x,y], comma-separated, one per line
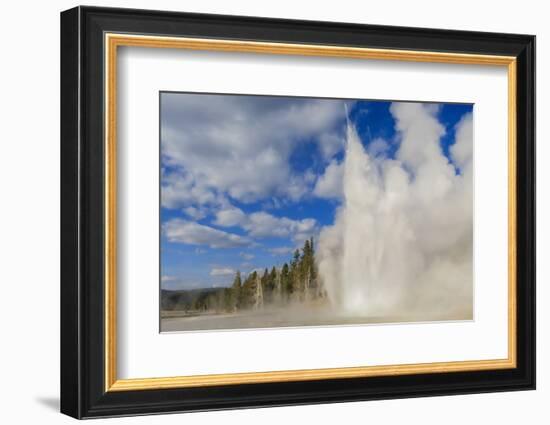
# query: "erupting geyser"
[402,240]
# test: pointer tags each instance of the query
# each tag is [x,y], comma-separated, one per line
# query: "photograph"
[287,210]
[281,211]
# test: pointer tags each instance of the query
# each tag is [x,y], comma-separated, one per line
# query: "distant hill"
[187,299]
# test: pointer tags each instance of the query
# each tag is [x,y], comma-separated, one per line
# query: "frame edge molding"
[84,382]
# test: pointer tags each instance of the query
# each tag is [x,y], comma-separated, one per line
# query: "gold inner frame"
[113,41]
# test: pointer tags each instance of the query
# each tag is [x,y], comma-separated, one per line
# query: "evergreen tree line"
[296,281]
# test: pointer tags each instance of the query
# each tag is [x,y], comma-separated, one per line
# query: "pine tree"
[272,278]
[313,264]
[236,291]
[265,279]
[295,258]
[228,300]
[286,283]
[266,286]
[247,290]
[296,280]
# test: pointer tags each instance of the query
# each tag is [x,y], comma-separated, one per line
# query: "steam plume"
[402,240]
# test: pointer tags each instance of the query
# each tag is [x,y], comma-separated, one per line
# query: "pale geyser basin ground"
[295,317]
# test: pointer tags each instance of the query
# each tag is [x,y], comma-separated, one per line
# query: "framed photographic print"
[261,212]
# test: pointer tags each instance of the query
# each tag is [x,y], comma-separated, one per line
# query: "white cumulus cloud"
[183,231]
[222,271]
[247,256]
[229,217]
[329,185]
[283,250]
[462,149]
[262,224]
[240,145]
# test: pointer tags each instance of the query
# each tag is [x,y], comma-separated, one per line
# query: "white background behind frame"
[143,352]
[33,194]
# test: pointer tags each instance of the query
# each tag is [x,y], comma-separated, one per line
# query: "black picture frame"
[83,392]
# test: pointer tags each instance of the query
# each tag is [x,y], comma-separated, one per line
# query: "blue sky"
[245,179]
